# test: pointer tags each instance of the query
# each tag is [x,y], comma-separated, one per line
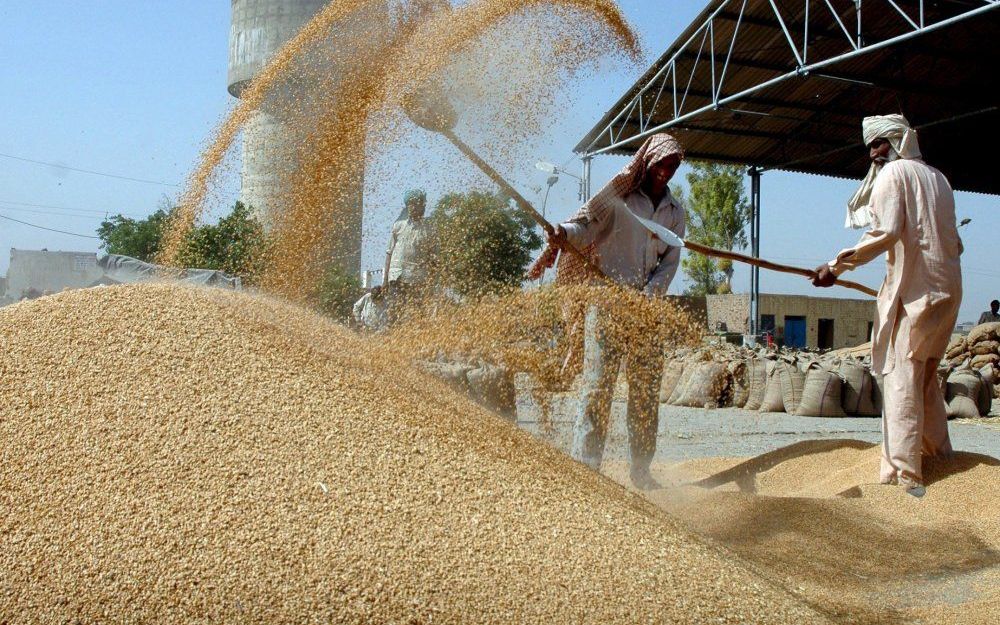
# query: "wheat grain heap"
[173,454]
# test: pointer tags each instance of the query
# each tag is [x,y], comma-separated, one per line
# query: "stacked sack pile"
[970,373]
[829,385]
[798,383]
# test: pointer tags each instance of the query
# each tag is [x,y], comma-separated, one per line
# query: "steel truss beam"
[667,91]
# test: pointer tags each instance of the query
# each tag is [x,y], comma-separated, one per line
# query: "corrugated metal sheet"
[944,81]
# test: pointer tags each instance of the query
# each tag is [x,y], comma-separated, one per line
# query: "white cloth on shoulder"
[903,141]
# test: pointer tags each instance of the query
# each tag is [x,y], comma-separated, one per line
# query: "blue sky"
[135,89]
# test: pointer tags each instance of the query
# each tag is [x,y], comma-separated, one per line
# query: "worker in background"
[992,315]
[371,311]
[631,256]
[911,210]
[407,260]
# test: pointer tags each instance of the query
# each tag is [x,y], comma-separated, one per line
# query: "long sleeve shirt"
[988,317]
[913,223]
[409,251]
[627,252]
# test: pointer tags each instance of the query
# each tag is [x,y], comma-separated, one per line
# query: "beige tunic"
[913,222]
[626,251]
[409,251]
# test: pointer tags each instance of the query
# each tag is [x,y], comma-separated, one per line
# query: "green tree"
[138,238]
[718,213]
[482,243]
[237,244]
[338,290]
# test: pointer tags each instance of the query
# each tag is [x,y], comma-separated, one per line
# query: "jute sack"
[991,375]
[978,362]
[773,400]
[964,394]
[983,348]
[956,348]
[793,380]
[739,391]
[984,332]
[821,394]
[756,383]
[686,374]
[672,371]
[706,386]
[859,389]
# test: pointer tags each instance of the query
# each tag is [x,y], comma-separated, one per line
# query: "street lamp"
[555,170]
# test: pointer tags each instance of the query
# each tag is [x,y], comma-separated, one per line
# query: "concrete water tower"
[259,29]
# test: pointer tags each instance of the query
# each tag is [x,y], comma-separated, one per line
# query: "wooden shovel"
[671,239]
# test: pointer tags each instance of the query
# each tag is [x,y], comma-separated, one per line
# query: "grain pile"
[812,517]
[174,455]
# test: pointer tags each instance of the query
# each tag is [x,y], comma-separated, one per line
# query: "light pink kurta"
[913,222]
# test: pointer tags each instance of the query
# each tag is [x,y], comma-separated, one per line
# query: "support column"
[585,182]
[755,249]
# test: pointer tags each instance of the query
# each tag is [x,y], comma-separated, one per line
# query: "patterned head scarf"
[903,141]
[607,200]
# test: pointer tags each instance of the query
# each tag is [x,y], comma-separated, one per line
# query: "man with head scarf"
[911,209]
[408,257]
[606,231]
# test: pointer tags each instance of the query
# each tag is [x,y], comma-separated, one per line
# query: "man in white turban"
[911,209]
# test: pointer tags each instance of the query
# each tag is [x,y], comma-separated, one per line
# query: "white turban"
[903,141]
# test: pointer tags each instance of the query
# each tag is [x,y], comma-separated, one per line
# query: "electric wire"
[74,234]
[89,171]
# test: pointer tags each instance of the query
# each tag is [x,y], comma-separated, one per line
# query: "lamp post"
[555,170]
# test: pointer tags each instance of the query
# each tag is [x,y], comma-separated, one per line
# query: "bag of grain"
[821,394]
[991,375]
[964,394]
[859,389]
[756,383]
[689,365]
[793,379]
[739,391]
[985,395]
[706,386]
[984,332]
[773,400]
[672,371]
[978,362]
[983,348]
[958,346]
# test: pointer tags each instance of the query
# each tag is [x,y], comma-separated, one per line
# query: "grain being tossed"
[630,255]
[214,410]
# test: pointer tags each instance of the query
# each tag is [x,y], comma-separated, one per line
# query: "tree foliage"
[482,243]
[337,292]
[237,244]
[138,238]
[718,212]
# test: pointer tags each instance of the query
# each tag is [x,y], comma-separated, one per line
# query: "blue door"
[795,332]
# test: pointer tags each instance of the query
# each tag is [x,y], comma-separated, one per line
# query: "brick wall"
[850,316]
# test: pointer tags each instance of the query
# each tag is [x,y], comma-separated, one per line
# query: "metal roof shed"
[784,84]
